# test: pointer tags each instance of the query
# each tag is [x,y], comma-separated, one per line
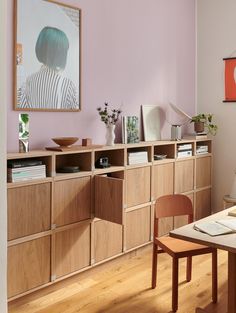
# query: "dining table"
[225,242]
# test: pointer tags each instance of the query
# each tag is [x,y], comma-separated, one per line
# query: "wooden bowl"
[65,141]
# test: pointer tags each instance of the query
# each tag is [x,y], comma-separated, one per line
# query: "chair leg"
[189,268]
[175,279]
[214,276]
[154,266]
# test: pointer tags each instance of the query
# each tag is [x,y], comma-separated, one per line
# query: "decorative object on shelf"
[110,117]
[86,142]
[182,119]
[176,132]
[47,56]
[151,122]
[130,129]
[159,156]
[202,122]
[23,132]
[102,162]
[68,169]
[65,141]
[230,79]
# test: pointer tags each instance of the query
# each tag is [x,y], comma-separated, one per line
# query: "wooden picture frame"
[47,56]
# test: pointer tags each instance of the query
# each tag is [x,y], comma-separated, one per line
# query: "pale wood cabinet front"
[72,200]
[203,203]
[72,250]
[107,240]
[184,176]
[137,227]
[138,186]
[163,180]
[29,210]
[203,172]
[28,265]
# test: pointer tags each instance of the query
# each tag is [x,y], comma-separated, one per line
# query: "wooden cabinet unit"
[69,222]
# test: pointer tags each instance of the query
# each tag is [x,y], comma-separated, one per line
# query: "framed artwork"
[130,129]
[47,56]
[151,122]
[230,79]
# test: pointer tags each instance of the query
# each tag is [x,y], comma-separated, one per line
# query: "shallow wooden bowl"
[65,141]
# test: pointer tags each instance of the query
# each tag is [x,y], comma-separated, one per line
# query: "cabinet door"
[109,193]
[183,220]
[163,180]
[28,265]
[107,240]
[29,210]
[137,227]
[184,176]
[203,203]
[72,250]
[72,201]
[203,172]
[138,186]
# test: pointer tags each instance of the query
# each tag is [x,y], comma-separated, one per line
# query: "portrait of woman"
[46,73]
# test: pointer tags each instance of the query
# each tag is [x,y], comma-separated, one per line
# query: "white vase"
[110,134]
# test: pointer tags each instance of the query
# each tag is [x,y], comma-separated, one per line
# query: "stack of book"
[137,157]
[196,136]
[184,150]
[202,149]
[22,170]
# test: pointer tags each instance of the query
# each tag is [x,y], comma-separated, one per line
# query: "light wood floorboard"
[123,286]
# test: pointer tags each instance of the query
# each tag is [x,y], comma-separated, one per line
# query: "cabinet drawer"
[29,210]
[138,186]
[184,176]
[203,203]
[72,250]
[28,265]
[72,201]
[107,240]
[138,227]
[163,177]
[203,172]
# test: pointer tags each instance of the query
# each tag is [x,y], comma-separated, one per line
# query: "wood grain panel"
[166,224]
[203,203]
[137,227]
[28,265]
[163,179]
[109,193]
[72,200]
[184,176]
[138,186]
[29,210]
[203,172]
[72,250]
[108,240]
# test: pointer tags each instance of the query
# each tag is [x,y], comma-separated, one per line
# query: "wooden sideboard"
[68,223]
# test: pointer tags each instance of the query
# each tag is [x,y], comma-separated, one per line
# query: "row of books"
[23,170]
[186,150]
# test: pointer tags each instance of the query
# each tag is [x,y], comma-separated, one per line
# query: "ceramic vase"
[110,135]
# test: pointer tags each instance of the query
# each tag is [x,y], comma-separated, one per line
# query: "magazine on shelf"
[219,227]
[130,129]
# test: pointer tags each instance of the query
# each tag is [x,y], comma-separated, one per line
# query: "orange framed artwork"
[230,79]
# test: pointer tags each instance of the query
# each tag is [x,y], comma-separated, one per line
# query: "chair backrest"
[172,205]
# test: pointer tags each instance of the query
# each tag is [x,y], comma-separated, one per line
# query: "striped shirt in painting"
[47,89]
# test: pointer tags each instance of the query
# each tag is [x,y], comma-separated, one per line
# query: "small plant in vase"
[110,117]
[204,122]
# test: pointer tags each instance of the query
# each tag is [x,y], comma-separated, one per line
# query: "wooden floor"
[124,287]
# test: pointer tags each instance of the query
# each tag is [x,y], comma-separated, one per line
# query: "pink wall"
[133,52]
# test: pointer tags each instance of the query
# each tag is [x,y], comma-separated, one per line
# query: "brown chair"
[176,205]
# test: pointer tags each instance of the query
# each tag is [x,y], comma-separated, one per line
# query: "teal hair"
[51,47]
